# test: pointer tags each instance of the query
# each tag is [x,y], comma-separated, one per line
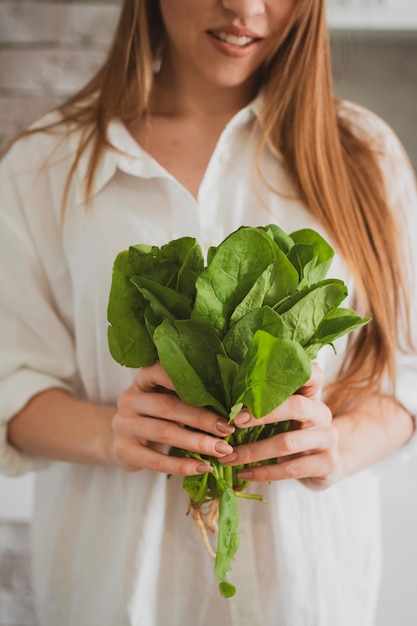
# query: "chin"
[229,80]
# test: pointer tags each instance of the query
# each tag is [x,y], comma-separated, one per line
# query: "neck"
[175,95]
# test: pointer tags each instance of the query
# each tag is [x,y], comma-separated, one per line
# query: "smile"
[233,39]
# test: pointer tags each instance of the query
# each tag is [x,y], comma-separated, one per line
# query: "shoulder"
[34,171]
[372,129]
[41,160]
[388,150]
[47,138]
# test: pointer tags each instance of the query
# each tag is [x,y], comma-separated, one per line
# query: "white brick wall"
[48,49]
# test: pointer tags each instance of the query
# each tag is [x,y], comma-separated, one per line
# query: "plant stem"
[249,496]
[228,475]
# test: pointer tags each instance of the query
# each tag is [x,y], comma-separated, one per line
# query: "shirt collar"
[125,150]
[128,156]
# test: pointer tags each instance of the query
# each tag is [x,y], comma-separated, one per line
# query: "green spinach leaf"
[335,324]
[234,268]
[129,341]
[280,237]
[188,351]
[322,252]
[166,303]
[272,370]
[307,309]
[238,339]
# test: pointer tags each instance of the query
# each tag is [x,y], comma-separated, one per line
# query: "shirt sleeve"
[37,351]
[402,195]
[400,184]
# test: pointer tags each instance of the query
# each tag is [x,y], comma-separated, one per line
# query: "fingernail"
[242,418]
[230,458]
[245,474]
[203,468]
[222,447]
[225,427]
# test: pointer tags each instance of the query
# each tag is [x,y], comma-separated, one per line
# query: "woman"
[205,116]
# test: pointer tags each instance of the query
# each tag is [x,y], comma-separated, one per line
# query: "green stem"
[228,475]
[217,469]
[249,496]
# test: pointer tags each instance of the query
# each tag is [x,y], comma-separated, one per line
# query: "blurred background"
[48,49]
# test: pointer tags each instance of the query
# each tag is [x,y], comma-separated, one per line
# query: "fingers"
[310,455]
[299,408]
[144,443]
[300,454]
[308,452]
[169,407]
[294,442]
[169,433]
[312,388]
[150,419]
[153,376]
[316,470]
[143,456]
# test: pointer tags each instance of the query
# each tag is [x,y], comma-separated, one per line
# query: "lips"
[233,39]
[234,36]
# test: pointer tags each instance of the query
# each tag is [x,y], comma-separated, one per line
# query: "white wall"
[398,598]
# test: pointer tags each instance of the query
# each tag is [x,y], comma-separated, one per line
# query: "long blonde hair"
[337,175]
[335,172]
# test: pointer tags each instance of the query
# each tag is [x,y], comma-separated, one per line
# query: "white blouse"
[113,548]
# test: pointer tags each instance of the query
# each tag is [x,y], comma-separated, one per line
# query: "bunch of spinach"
[238,331]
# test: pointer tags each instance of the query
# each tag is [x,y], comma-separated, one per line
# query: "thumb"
[313,386]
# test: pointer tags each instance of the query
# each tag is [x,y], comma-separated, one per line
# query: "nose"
[244,8]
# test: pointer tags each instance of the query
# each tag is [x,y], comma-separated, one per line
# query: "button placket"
[210,193]
[185,218]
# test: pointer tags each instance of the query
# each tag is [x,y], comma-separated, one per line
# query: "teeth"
[237,41]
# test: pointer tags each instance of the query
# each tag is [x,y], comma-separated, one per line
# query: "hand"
[308,453]
[151,418]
